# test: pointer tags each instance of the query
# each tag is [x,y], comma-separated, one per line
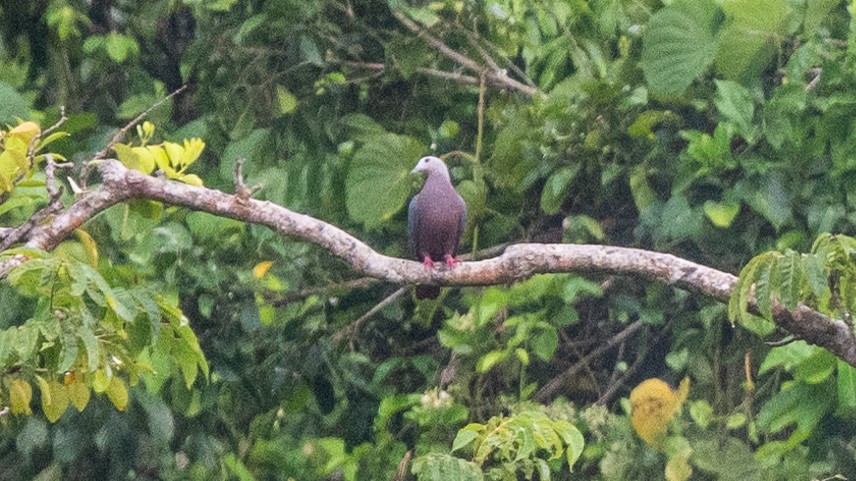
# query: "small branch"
[14,235]
[452,76]
[497,77]
[549,390]
[102,154]
[354,328]
[31,151]
[242,190]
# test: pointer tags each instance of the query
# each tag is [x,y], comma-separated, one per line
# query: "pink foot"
[451,262]
[428,263]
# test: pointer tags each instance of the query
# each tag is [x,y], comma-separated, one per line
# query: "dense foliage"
[160,343]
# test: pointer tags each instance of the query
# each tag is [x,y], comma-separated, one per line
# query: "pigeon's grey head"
[431,165]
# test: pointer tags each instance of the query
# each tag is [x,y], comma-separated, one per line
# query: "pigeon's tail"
[427,292]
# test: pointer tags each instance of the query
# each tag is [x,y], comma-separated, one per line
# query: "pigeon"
[436,219]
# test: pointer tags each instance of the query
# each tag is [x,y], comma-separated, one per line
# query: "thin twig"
[133,123]
[15,235]
[549,389]
[480,130]
[496,77]
[102,154]
[242,191]
[354,327]
[615,386]
[31,150]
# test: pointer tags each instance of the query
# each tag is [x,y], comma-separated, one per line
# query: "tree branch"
[517,262]
[494,76]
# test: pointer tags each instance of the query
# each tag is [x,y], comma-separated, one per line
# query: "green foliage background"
[713,130]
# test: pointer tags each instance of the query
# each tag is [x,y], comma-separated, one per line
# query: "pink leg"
[451,262]
[427,262]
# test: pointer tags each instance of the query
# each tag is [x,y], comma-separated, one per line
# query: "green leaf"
[735,103]
[286,100]
[575,441]
[465,437]
[643,194]
[249,147]
[679,45]
[444,467]
[12,104]
[846,384]
[750,37]
[378,182]
[489,360]
[721,214]
[545,343]
[556,189]
[238,468]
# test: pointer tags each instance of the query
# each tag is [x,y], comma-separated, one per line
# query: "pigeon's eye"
[424,161]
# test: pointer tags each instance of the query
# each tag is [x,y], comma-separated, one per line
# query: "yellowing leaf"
[79,394]
[654,404]
[89,246]
[260,269]
[287,101]
[54,399]
[20,394]
[100,382]
[118,393]
[190,179]
[26,131]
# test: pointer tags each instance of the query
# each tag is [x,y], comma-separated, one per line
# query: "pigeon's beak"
[416,170]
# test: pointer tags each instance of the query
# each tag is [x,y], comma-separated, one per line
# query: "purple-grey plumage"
[436,219]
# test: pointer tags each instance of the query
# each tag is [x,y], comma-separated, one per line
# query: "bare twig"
[354,327]
[15,235]
[242,191]
[551,388]
[497,77]
[102,154]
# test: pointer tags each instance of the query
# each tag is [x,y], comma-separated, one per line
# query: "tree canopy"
[204,268]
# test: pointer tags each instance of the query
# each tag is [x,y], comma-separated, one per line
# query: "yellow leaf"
[192,150]
[161,160]
[175,152]
[89,246]
[146,159]
[54,400]
[101,381]
[654,404]
[146,131]
[78,393]
[26,131]
[260,269]
[20,394]
[118,393]
[191,179]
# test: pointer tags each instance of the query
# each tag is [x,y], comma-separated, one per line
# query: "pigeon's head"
[431,165]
